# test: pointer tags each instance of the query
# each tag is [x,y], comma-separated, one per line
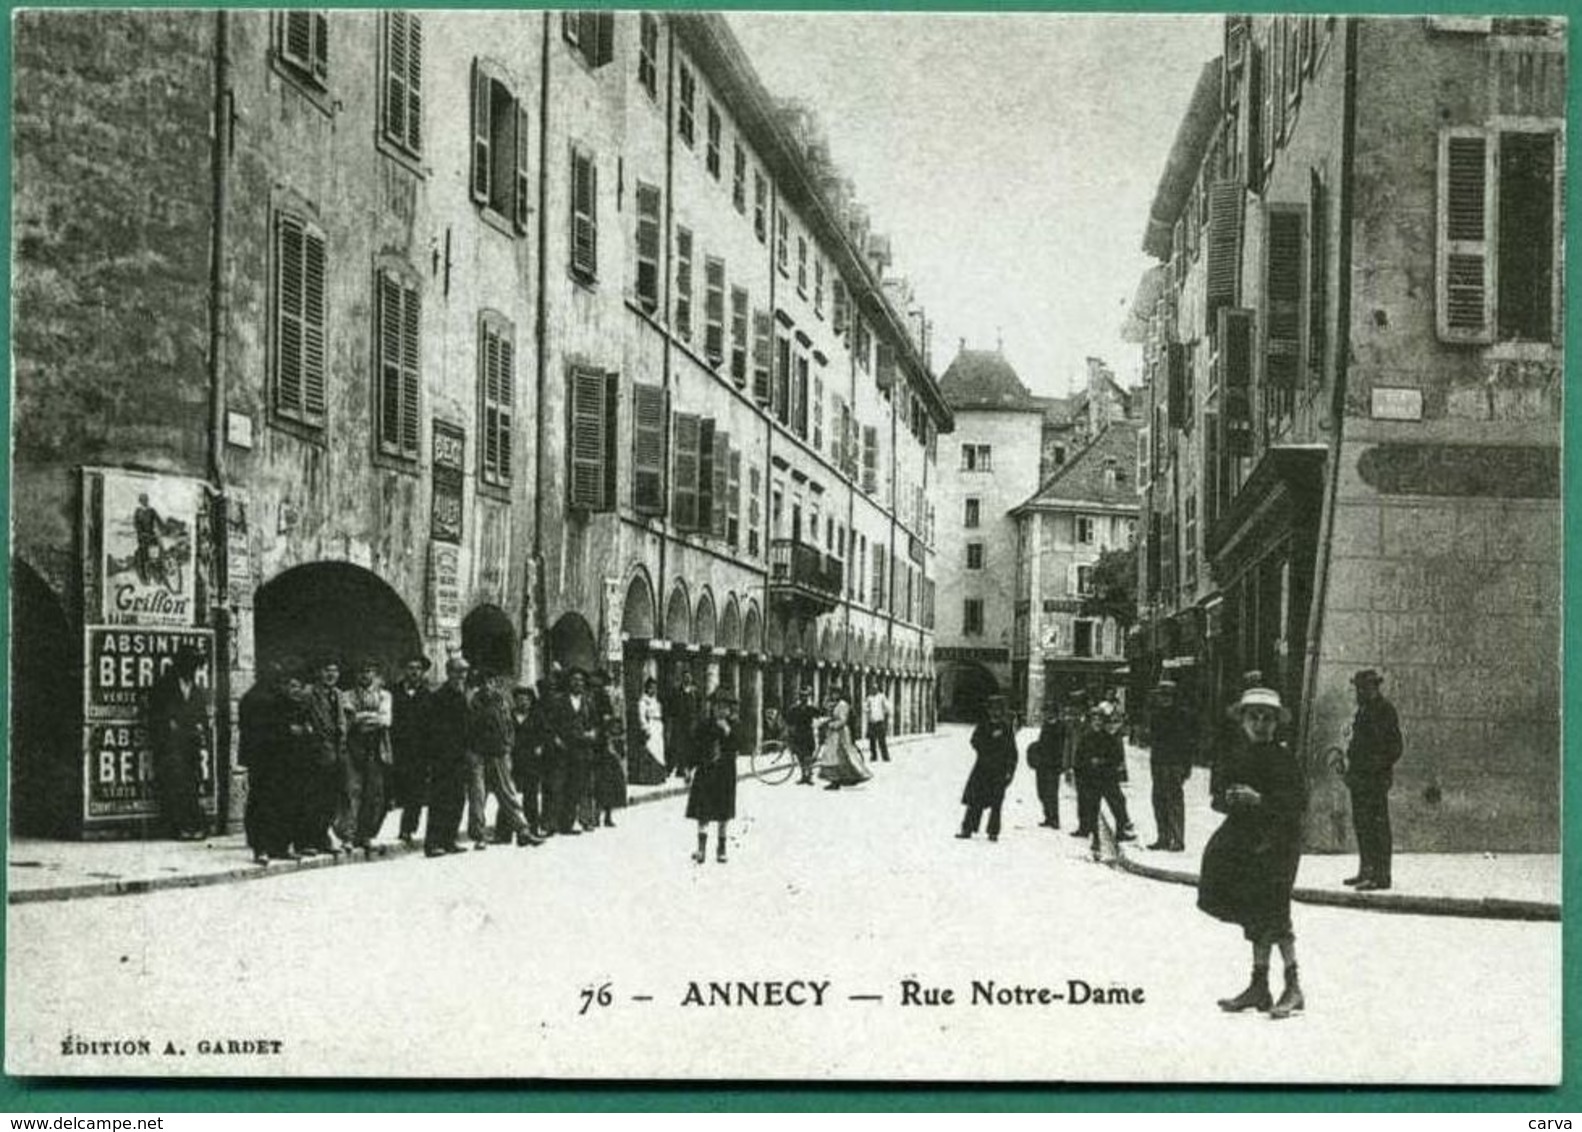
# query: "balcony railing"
[804,576]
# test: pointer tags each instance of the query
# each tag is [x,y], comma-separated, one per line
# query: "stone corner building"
[540,337]
[1351,452]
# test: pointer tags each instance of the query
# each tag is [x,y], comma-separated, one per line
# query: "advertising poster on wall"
[148,542]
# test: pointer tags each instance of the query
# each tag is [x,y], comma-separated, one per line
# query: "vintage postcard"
[786,546]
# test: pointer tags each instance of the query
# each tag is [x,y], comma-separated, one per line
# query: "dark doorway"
[488,641]
[46,709]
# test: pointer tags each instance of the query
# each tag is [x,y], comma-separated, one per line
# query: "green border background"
[155,1095]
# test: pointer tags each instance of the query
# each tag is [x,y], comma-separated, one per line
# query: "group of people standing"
[327,764]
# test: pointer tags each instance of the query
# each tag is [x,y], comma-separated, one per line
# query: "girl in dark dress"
[712,796]
[1249,865]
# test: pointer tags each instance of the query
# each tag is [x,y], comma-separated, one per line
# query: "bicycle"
[774,763]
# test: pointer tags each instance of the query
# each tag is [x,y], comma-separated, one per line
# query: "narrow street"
[476,965]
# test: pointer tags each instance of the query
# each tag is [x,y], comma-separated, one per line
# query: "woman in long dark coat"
[994,740]
[712,796]
[1249,865]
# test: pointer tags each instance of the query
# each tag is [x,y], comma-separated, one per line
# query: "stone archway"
[488,640]
[572,643]
[964,690]
[678,616]
[637,616]
[333,609]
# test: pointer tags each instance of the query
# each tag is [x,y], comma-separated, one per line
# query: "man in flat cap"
[1369,771]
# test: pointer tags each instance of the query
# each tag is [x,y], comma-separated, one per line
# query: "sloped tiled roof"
[983,379]
[1081,478]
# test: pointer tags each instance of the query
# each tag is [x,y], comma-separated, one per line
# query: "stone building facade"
[1356,372]
[538,337]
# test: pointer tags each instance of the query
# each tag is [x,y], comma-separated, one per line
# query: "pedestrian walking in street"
[802,728]
[410,743]
[683,712]
[449,772]
[491,733]
[369,714]
[994,744]
[1250,863]
[177,717]
[840,763]
[1100,769]
[712,795]
[1046,758]
[1369,771]
[646,758]
[609,767]
[327,804]
[264,748]
[576,729]
[1173,748]
[304,811]
[877,709]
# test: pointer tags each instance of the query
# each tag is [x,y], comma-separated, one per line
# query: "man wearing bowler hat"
[410,742]
[1369,771]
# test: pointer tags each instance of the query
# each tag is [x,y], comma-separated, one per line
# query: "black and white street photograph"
[823,547]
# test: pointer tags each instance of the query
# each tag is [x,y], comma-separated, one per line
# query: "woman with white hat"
[1249,865]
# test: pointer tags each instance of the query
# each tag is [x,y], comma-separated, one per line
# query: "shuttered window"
[501,140]
[870,459]
[648,449]
[842,306]
[720,486]
[399,316]
[818,418]
[782,380]
[304,45]
[1144,465]
[648,54]
[300,312]
[760,207]
[684,282]
[1175,380]
[584,216]
[592,402]
[818,285]
[402,113]
[739,336]
[714,310]
[1317,274]
[733,495]
[648,204]
[1285,270]
[739,179]
[684,490]
[878,576]
[686,104]
[885,368]
[754,509]
[496,397]
[799,397]
[1235,354]
[707,435]
[763,350]
[591,34]
[1222,271]
[711,154]
[782,242]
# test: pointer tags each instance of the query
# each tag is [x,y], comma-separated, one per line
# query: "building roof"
[1186,157]
[1081,479]
[983,379]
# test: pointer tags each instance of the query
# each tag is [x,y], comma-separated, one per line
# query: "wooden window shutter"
[684,501]
[1175,378]
[734,495]
[1463,273]
[683,319]
[571,27]
[304,43]
[870,459]
[414,83]
[584,216]
[497,365]
[1317,273]
[481,134]
[411,352]
[612,405]
[1235,345]
[523,203]
[603,49]
[714,310]
[399,318]
[396,100]
[648,449]
[648,209]
[1285,270]
[300,314]
[706,496]
[739,337]
[1223,268]
[763,348]
[1144,472]
[720,488]
[505,382]
[589,390]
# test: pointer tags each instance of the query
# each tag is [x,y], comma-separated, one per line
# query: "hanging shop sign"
[148,544]
[447,472]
